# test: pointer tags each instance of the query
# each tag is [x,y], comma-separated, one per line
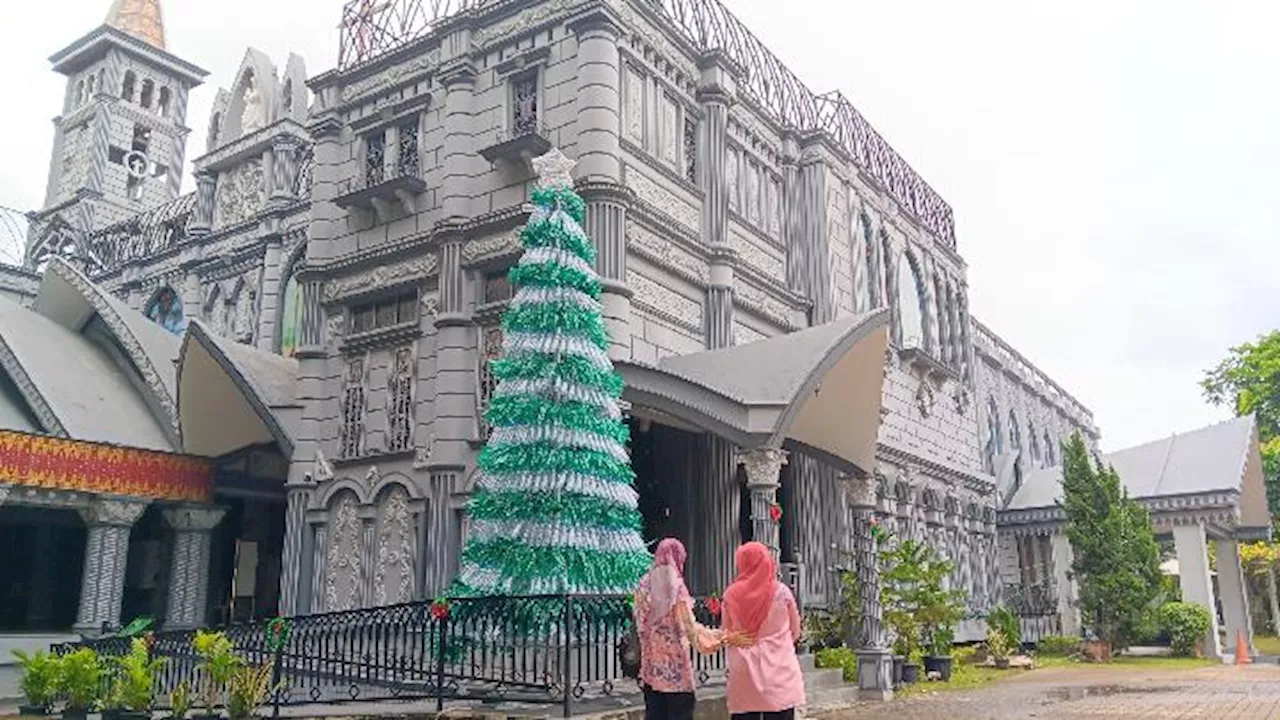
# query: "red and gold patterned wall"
[60,464]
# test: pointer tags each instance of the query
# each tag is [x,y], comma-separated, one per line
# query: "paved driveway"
[1225,693]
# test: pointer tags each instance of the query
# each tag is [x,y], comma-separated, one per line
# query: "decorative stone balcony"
[518,145]
[383,190]
[926,366]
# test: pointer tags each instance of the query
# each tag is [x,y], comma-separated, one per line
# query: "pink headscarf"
[666,579]
[750,597]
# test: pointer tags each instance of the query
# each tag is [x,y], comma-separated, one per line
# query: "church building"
[266,395]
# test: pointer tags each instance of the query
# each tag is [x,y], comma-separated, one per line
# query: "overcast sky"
[1112,164]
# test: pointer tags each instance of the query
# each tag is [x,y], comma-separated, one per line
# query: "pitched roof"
[1210,459]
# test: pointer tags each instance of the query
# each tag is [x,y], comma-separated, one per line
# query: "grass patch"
[1266,644]
[963,677]
[1170,663]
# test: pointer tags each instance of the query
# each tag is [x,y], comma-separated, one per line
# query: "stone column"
[1233,590]
[1193,575]
[763,467]
[294,562]
[797,256]
[315,601]
[192,293]
[1065,585]
[443,542]
[875,662]
[456,422]
[606,224]
[458,79]
[812,235]
[189,571]
[271,297]
[716,89]
[716,503]
[108,523]
[202,217]
[284,170]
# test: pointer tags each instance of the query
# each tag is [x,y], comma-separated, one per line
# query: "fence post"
[564,665]
[443,619]
[277,661]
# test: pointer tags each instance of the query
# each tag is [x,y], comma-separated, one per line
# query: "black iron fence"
[543,650]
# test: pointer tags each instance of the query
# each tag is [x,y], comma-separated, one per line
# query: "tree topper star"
[553,169]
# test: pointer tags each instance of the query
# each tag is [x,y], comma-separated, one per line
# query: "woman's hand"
[738,639]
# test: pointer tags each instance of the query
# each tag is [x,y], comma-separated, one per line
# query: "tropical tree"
[1248,380]
[1116,559]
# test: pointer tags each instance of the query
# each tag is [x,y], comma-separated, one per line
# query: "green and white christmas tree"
[554,509]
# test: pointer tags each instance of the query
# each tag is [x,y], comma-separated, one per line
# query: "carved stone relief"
[653,295]
[380,276]
[633,119]
[649,244]
[754,256]
[491,246]
[344,572]
[240,193]
[650,192]
[393,579]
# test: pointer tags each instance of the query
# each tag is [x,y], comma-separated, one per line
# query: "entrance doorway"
[41,564]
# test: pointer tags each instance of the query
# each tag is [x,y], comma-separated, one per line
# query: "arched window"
[166,311]
[1050,457]
[910,305]
[995,439]
[1035,442]
[1015,434]
[126,90]
[291,317]
[148,89]
[162,107]
[873,263]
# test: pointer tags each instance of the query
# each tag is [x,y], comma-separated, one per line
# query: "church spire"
[139,18]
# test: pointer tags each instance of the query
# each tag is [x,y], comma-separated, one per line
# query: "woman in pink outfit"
[764,681]
[664,620]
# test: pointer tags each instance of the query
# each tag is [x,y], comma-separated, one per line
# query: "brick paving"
[1225,693]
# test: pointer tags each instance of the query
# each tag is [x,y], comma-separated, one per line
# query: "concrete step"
[807,663]
[832,697]
[823,679]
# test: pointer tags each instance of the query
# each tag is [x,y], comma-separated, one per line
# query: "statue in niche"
[244,315]
[252,117]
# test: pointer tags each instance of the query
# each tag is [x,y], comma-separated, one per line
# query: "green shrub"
[1007,622]
[80,679]
[841,657]
[136,677]
[1058,646]
[1187,624]
[39,680]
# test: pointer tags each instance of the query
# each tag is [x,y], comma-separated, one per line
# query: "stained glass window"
[374,151]
[491,349]
[291,318]
[409,148]
[166,311]
[524,116]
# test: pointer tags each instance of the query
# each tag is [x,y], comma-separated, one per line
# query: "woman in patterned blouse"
[667,629]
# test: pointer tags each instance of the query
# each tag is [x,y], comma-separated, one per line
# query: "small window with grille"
[690,149]
[400,401]
[497,288]
[409,158]
[524,104]
[490,350]
[385,313]
[351,431]
[375,152]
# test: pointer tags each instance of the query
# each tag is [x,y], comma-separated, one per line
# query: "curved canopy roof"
[232,396]
[817,389]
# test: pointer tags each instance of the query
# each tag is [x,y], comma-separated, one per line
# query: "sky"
[1112,164]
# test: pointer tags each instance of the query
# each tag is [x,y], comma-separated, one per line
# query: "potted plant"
[39,681]
[248,689]
[218,664]
[917,604]
[998,647]
[941,659]
[180,702]
[134,686]
[80,682]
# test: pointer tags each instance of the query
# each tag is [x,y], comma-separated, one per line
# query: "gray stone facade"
[365,229]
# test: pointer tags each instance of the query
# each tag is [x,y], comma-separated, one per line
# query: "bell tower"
[120,140]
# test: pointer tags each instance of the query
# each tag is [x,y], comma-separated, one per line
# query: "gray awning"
[232,396]
[817,389]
